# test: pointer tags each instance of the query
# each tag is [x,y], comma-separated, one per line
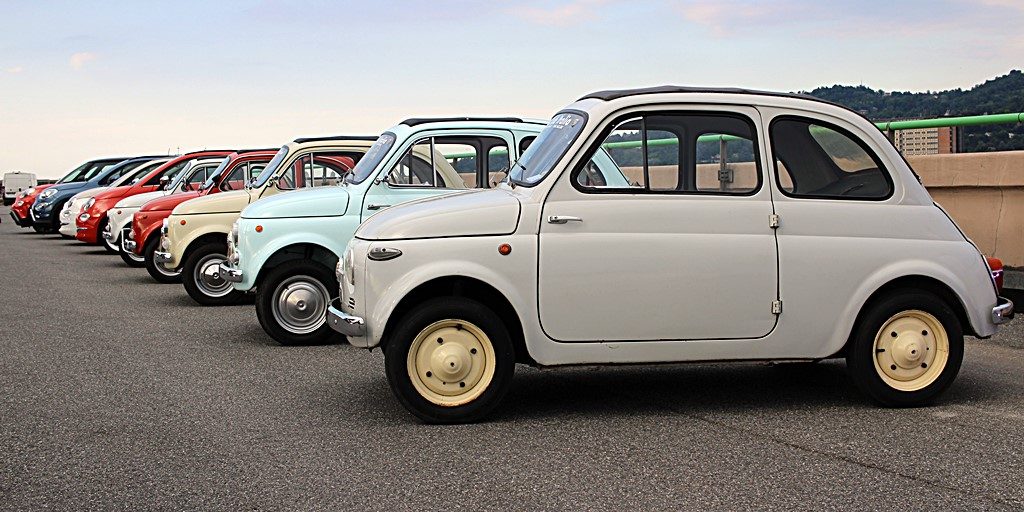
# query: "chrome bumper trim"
[107,235]
[129,245]
[162,257]
[229,274]
[344,323]
[1003,312]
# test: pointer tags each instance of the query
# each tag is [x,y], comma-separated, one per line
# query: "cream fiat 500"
[667,225]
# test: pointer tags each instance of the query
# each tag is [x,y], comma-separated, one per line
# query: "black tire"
[42,229]
[131,259]
[861,355]
[305,277]
[157,271]
[200,292]
[396,357]
[106,244]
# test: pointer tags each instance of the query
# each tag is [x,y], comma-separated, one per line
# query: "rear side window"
[821,161]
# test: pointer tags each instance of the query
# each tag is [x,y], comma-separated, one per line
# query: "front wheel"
[201,276]
[42,229]
[292,300]
[450,360]
[906,349]
[156,270]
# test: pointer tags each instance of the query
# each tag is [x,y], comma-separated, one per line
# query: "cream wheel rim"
[911,350]
[451,362]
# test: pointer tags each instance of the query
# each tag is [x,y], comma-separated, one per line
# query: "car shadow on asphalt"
[624,391]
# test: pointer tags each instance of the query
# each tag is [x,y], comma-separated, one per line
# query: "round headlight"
[48,193]
[83,217]
[89,203]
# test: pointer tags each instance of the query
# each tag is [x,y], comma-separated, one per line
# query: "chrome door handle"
[562,219]
[374,206]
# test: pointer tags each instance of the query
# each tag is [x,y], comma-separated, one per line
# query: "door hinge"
[776,307]
[773,221]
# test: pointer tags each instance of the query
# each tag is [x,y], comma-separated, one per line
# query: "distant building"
[927,141]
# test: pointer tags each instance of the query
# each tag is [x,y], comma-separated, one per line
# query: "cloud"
[15,70]
[565,14]
[79,59]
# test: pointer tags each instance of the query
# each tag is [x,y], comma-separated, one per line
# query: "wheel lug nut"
[462,384]
[893,334]
[472,351]
[924,333]
[440,340]
[924,365]
[892,367]
[429,374]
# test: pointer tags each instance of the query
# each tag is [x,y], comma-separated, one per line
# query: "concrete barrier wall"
[984,193]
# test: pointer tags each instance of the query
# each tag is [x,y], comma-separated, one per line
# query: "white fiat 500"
[666,225]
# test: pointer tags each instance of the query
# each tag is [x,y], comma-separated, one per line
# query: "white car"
[751,226]
[133,171]
[119,218]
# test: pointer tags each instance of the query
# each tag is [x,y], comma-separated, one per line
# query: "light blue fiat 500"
[286,247]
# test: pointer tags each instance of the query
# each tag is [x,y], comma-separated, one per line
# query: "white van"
[15,182]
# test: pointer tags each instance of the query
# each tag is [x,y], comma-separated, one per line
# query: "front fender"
[470,265]
[331,233]
[181,236]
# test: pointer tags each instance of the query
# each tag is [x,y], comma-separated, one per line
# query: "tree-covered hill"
[999,95]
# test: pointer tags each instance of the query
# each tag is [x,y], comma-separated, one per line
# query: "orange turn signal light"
[182,222]
[504,249]
[259,228]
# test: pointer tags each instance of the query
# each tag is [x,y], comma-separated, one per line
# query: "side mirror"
[164,180]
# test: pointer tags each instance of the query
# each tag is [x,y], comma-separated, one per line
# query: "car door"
[438,163]
[662,233]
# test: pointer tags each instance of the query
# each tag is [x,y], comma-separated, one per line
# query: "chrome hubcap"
[208,277]
[300,304]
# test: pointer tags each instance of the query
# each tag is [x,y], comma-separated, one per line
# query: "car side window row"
[711,153]
[456,162]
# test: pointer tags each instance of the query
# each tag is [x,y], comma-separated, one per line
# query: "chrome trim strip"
[231,275]
[161,257]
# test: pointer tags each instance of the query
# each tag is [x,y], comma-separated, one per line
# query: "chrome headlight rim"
[89,203]
[46,194]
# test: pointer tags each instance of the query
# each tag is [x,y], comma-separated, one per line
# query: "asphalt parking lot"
[118,392]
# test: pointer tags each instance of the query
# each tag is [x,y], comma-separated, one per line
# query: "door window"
[456,162]
[682,153]
[816,160]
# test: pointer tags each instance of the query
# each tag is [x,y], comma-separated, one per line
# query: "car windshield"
[177,177]
[76,174]
[550,146]
[215,175]
[121,169]
[270,169]
[96,170]
[373,158]
[133,176]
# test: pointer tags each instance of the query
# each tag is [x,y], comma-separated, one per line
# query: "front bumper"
[25,223]
[162,257]
[344,323]
[1003,312]
[229,273]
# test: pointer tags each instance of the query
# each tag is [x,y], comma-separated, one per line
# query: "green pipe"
[941,122]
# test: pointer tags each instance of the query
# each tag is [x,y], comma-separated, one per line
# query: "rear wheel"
[156,270]
[292,300]
[201,276]
[906,349]
[450,360]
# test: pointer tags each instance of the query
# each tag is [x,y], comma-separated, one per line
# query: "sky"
[80,80]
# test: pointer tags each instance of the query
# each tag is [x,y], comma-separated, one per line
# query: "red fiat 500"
[92,220]
[237,169]
[23,203]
